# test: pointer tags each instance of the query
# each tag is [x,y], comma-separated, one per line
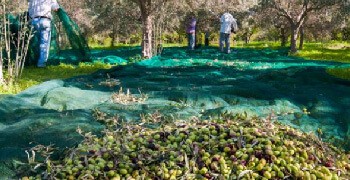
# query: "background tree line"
[152,22]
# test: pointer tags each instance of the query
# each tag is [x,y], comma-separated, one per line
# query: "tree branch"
[282,11]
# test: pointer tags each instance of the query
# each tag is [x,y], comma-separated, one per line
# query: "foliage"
[32,76]
[119,19]
[296,13]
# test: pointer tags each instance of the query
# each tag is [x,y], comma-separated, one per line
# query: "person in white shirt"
[40,13]
[228,25]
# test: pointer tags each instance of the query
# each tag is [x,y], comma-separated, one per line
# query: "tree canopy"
[152,22]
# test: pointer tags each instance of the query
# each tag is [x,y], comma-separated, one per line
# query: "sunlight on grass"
[32,75]
[102,46]
[332,51]
[61,71]
[259,44]
[343,73]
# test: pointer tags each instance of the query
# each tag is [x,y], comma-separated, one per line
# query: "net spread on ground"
[182,84]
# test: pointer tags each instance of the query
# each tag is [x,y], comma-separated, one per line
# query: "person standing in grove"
[40,11]
[191,32]
[228,25]
[206,36]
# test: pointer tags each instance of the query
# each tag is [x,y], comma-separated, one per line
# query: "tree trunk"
[348,131]
[283,37]
[1,68]
[1,59]
[113,34]
[301,43]
[293,38]
[246,37]
[147,21]
[147,37]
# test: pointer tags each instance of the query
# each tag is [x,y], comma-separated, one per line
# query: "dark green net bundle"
[68,44]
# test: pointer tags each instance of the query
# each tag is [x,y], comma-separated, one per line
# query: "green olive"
[267,175]
[123,171]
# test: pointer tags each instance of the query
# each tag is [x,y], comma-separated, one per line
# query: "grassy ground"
[32,75]
[259,44]
[339,52]
[330,51]
[343,73]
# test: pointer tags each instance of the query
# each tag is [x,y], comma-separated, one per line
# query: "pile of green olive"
[230,149]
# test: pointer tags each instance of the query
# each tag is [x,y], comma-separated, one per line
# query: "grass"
[99,46]
[259,44]
[343,73]
[330,51]
[32,75]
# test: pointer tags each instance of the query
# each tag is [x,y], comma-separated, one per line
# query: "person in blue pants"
[228,25]
[40,11]
[191,32]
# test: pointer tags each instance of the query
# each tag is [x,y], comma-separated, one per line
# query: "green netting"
[181,84]
[67,41]
[73,34]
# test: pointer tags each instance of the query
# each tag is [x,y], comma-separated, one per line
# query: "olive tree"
[148,8]
[296,12]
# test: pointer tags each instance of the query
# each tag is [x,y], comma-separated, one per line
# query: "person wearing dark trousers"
[40,13]
[206,41]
